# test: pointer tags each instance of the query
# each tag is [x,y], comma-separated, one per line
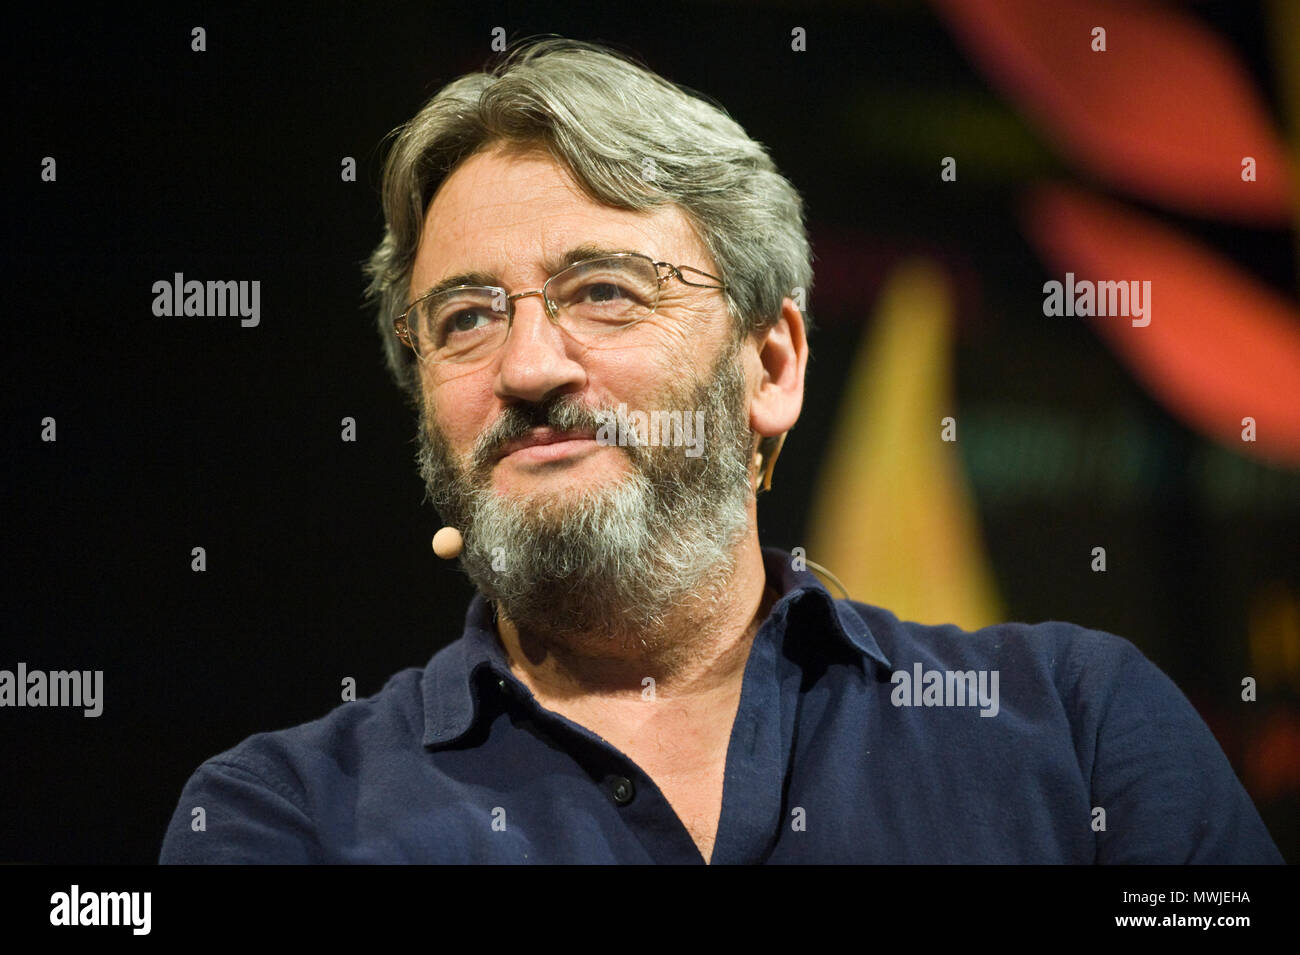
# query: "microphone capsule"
[448,543]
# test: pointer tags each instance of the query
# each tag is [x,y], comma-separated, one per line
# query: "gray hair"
[631,139]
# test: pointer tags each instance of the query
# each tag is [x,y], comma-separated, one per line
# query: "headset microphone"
[447,543]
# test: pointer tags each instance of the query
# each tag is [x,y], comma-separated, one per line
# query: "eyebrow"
[571,257]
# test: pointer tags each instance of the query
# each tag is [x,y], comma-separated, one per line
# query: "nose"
[534,361]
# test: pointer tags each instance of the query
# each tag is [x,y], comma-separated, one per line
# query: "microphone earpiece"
[448,543]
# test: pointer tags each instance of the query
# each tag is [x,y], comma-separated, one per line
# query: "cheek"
[660,348]
[461,409]
[633,375]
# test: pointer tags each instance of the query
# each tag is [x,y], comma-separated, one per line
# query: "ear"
[782,359]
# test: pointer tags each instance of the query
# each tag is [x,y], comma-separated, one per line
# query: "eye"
[600,293]
[463,320]
[606,292]
[466,319]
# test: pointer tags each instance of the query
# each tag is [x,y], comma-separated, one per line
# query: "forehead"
[510,214]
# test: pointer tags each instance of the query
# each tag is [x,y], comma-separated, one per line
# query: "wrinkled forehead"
[515,216]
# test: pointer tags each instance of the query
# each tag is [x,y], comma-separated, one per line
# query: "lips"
[543,436]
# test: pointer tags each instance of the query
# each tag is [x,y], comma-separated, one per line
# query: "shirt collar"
[450,684]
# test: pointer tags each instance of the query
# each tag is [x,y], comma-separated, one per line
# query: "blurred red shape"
[1167,112]
[1272,764]
[1220,346]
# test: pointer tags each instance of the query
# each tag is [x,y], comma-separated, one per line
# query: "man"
[586,289]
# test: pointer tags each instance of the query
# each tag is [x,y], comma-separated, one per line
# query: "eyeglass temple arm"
[677,271]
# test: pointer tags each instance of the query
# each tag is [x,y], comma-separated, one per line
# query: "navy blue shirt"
[858,738]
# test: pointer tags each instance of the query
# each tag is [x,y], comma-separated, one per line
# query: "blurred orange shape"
[889,471]
[1220,346]
[1167,112]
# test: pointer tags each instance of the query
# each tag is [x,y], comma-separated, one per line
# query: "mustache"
[562,413]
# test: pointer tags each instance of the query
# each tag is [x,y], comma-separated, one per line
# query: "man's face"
[572,510]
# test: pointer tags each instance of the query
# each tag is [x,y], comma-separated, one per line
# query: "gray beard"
[622,561]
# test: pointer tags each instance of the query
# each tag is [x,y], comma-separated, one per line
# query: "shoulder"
[269,799]
[1067,654]
[1159,785]
[299,764]
[1048,673]
[285,757]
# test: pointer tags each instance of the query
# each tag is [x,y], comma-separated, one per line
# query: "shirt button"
[623,790]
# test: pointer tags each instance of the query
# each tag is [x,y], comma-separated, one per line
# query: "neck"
[698,647]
